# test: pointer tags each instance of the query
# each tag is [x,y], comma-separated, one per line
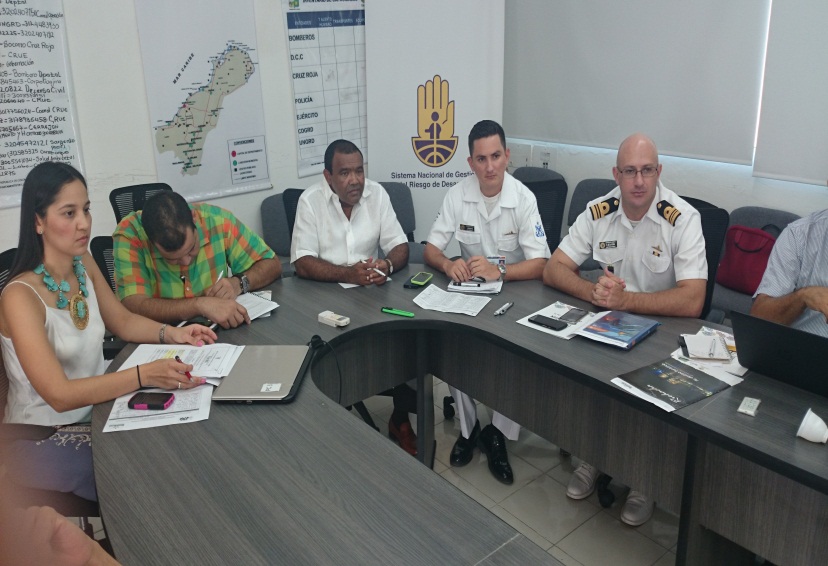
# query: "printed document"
[189,406]
[434,299]
[211,361]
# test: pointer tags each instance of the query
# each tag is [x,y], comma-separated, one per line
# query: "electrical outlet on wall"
[542,157]
[519,155]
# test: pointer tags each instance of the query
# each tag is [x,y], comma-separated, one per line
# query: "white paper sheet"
[189,406]
[256,306]
[211,361]
[434,299]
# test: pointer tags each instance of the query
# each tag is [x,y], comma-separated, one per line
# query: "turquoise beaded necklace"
[78,309]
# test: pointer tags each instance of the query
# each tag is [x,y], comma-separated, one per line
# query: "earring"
[40,231]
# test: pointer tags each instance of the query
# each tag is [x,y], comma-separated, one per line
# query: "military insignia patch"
[668,212]
[601,209]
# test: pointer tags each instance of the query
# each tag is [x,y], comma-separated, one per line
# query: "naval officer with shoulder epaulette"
[649,243]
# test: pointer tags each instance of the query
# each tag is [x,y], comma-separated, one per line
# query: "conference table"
[308,483]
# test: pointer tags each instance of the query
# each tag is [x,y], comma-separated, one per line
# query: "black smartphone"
[418,280]
[151,401]
[546,322]
[573,315]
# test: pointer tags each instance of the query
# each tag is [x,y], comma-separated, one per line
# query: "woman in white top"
[53,314]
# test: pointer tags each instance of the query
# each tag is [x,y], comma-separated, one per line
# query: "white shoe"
[638,509]
[582,483]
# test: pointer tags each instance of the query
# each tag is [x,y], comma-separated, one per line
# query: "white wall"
[113,118]
[725,185]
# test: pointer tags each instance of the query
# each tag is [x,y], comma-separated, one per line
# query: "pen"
[398,312]
[464,284]
[504,308]
[220,276]
[378,271]
[190,377]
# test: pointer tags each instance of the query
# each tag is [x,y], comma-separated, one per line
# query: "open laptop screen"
[783,353]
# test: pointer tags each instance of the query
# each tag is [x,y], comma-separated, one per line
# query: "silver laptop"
[270,374]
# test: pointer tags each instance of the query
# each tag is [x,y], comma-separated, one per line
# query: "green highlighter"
[397,312]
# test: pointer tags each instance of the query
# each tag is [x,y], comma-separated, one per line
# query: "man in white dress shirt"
[341,224]
[496,221]
[650,244]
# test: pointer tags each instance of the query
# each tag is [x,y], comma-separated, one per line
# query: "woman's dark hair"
[40,189]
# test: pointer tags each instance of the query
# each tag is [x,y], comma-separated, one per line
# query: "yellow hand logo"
[435,112]
[435,145]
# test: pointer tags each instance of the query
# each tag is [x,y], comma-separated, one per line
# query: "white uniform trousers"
[467,411]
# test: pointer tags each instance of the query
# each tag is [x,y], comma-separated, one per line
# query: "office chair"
[550,190]
[275,230]
[101,248]
[129,199]
[770,220]
[291,201]
[714,221]
[400,195]
[6,261]
[585,191]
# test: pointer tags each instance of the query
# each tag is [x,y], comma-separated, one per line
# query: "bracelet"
[390,266]
[161,333]
[138,369]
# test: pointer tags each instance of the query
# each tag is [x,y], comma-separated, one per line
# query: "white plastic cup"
[813,428]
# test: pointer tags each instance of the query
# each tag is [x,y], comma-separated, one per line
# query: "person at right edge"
[496,222]
[650,245]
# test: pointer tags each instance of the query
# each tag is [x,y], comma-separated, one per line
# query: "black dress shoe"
[493,443]
[461,453]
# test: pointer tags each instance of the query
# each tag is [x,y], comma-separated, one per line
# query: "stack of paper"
[434,299]
[256,305]
[212,361]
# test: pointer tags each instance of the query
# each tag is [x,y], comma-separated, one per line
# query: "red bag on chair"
[745,258]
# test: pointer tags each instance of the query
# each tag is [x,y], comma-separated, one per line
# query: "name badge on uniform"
[657,251]
[607,245]
[497,259]
[467,227]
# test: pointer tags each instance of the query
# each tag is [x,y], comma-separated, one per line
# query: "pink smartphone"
[151,401]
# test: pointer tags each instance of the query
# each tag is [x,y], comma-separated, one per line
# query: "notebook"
[270,374]
[783,353]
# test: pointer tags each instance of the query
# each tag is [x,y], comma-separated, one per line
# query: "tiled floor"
[578,533]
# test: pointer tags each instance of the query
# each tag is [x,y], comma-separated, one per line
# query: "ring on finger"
[179,385]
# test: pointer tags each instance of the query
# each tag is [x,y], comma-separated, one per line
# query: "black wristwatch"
[244,283]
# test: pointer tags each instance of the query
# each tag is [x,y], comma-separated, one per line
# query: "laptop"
[783,353]
[270,374]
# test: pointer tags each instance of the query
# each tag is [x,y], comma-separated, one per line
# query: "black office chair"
[585,191]
[129,199]
[400,195]
[550,190]
[101,248]
[6,261]
[291,201]
[275,230]
[714,221]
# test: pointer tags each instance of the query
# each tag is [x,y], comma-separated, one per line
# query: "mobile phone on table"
[546,322]
[573,315]
[151,401]
[418,280]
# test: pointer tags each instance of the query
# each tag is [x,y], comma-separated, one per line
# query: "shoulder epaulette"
[668,212]
[601,209]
